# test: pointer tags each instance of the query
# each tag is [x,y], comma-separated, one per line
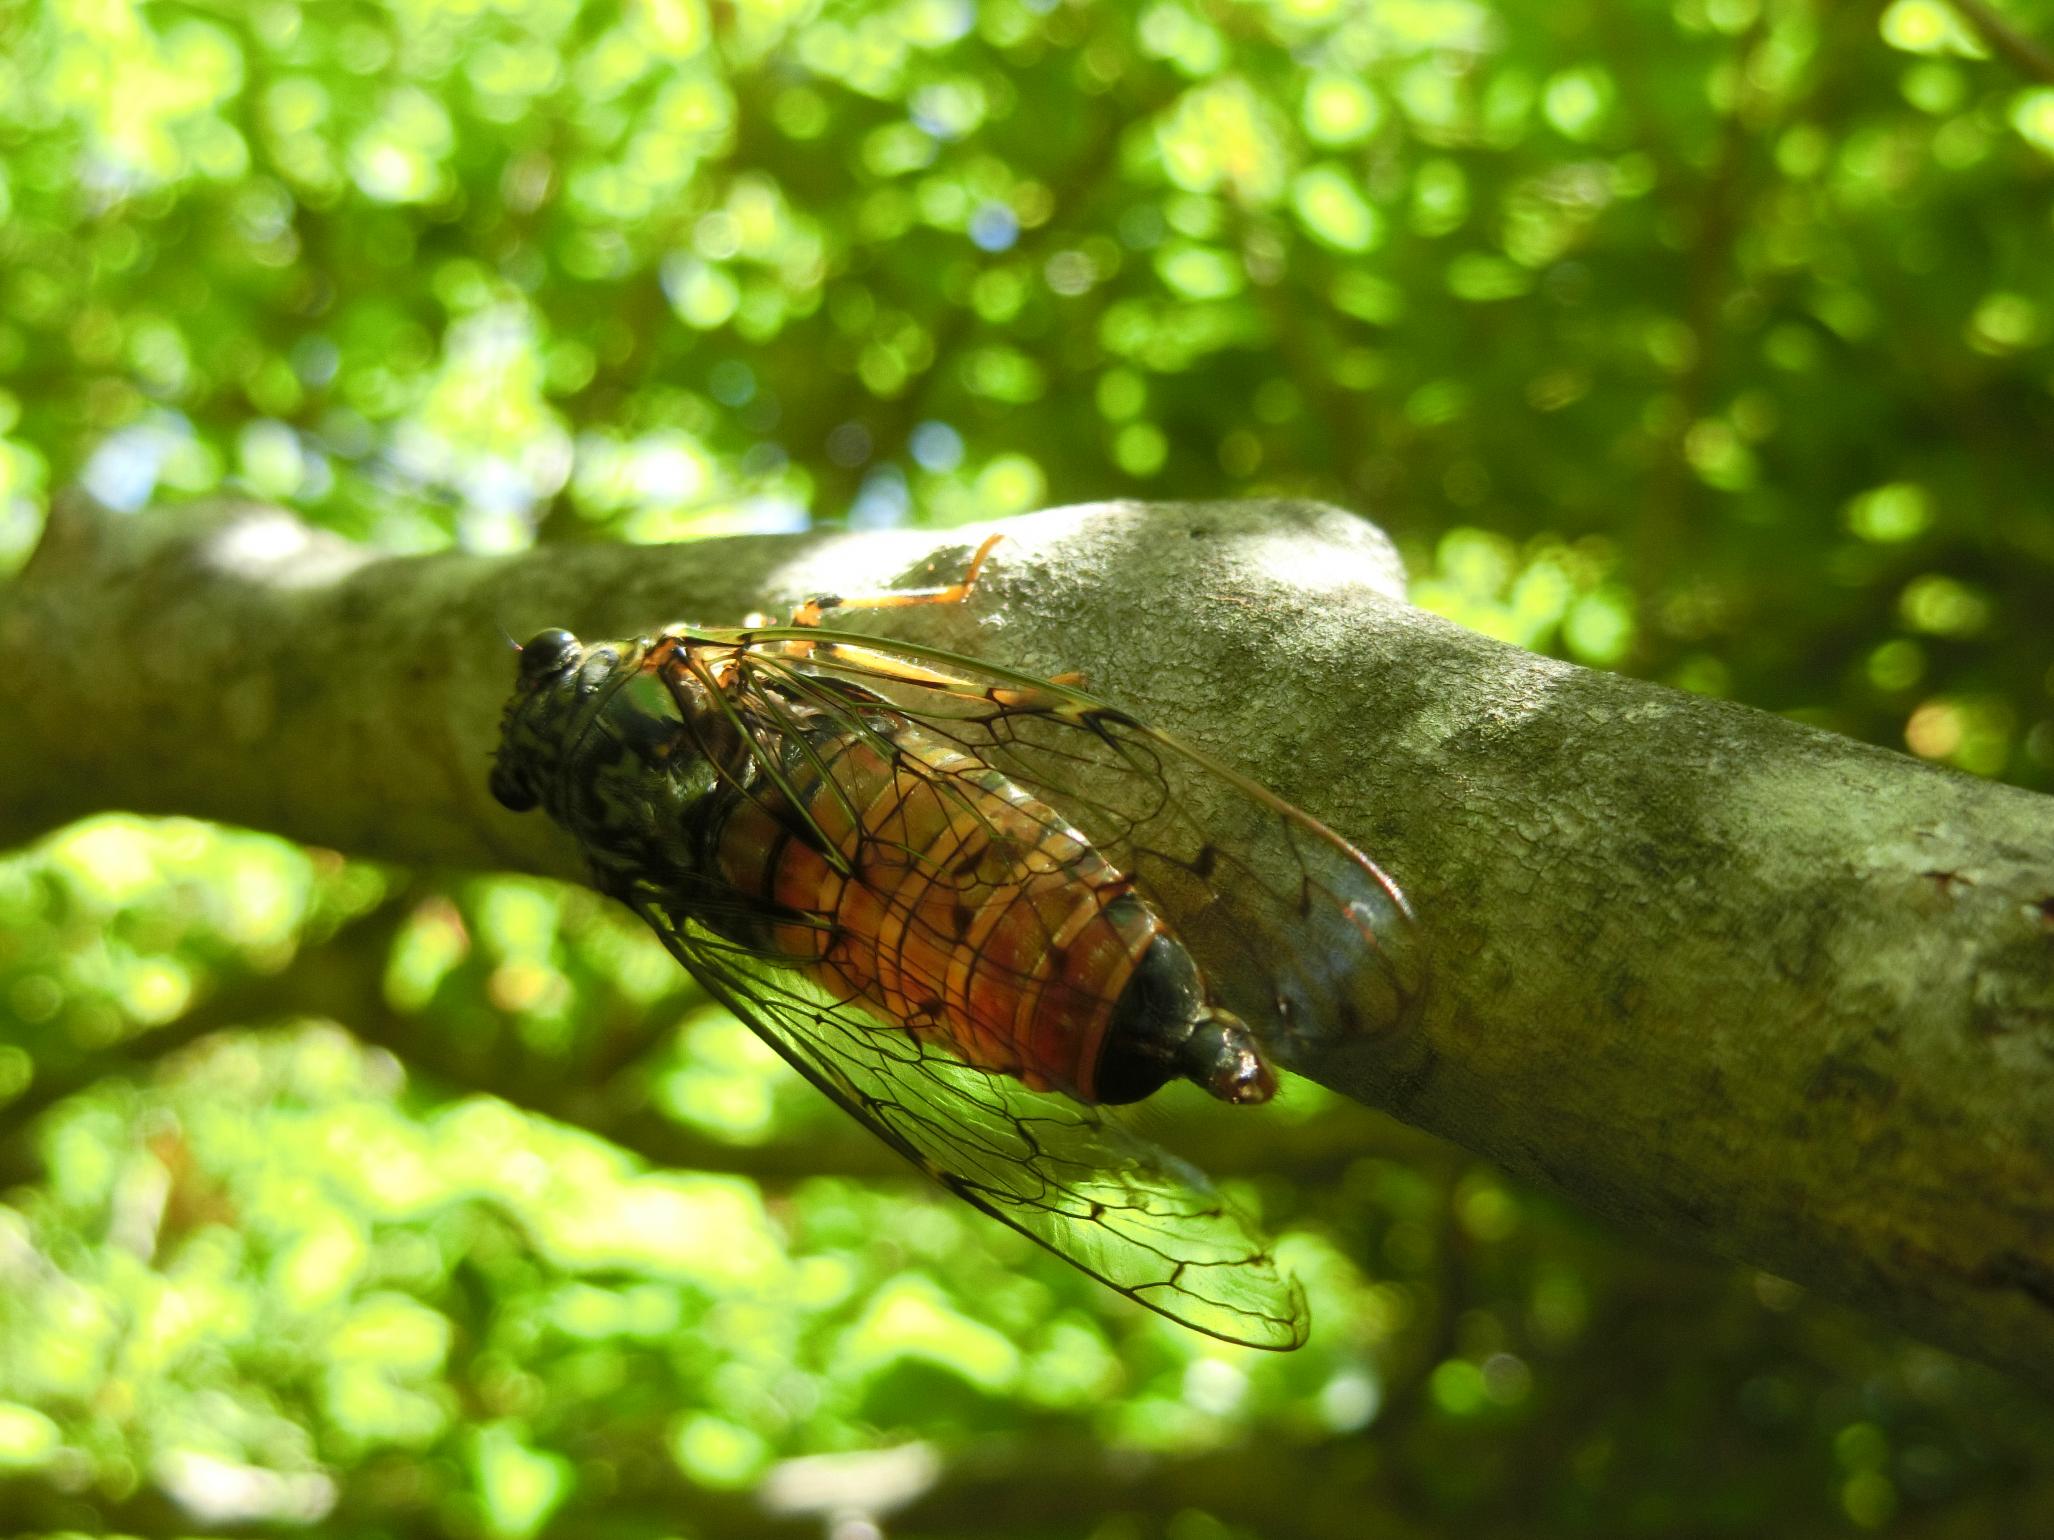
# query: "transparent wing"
[1062,1173]
[1294,930]
[1297,932]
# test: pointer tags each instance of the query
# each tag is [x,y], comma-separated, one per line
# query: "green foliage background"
[1712,340]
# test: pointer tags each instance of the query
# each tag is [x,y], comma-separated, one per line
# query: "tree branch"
[1737,982]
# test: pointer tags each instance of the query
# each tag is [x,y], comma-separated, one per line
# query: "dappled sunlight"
[305,1253]
[1551,597]
[1706,340]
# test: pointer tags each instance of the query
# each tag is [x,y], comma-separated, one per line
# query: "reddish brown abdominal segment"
[967,909]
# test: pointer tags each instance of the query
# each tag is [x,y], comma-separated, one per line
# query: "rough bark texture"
[1734,981]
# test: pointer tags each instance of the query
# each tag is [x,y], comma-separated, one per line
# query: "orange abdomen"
[961,907]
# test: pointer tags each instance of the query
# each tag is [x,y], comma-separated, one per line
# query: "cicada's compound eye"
[548,652]
[511,789]
[527,745]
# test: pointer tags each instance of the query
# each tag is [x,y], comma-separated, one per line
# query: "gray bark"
[1736,982]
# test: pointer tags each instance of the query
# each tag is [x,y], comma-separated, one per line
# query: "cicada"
[978,909]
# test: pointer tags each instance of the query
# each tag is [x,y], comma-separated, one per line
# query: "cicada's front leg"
[815,610]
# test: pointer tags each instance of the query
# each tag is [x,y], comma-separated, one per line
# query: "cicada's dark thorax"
[896,869]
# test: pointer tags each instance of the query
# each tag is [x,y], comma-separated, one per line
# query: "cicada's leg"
[815,610]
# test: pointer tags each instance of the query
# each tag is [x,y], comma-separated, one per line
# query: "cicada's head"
[559,678]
